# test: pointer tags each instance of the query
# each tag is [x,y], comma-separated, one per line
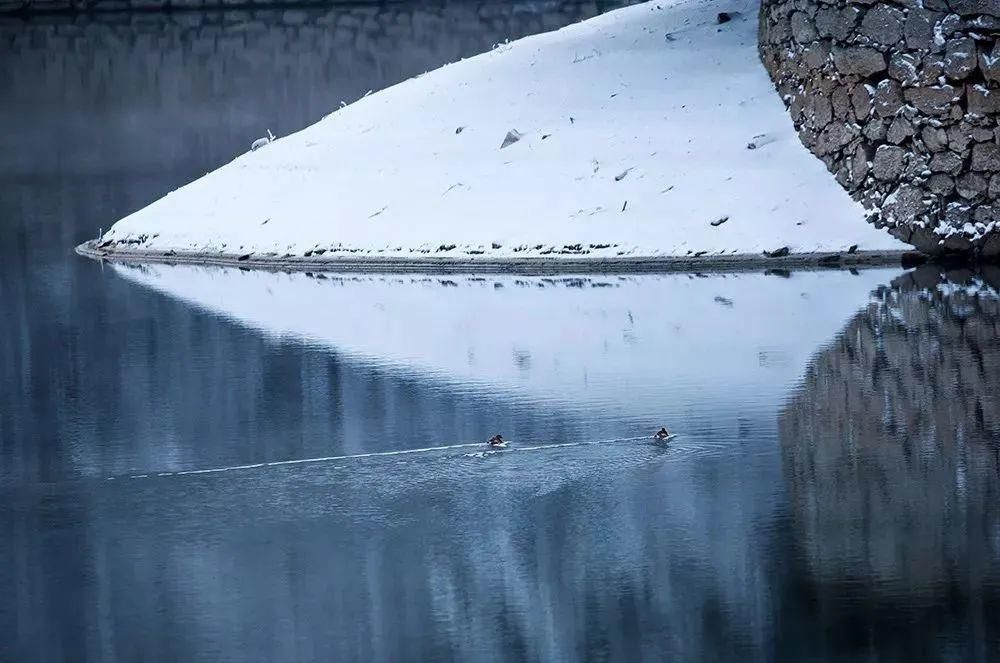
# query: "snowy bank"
[651,131]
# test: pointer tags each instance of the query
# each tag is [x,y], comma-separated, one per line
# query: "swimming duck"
[662,434]
[496,441]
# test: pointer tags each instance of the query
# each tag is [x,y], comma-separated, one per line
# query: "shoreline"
[650,264]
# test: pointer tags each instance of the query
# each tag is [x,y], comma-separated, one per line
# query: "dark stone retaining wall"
[900,100]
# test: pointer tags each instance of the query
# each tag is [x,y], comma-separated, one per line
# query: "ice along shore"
[647,138]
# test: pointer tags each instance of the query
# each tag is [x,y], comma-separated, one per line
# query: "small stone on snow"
[512,137]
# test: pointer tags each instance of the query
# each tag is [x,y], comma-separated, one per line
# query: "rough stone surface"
[919,28]
[904,67]
[959,137]
[861,101]
[941,184]
[975,7]
[982,100]
[835,23]
[935,139]
[933,100]
[900,99]
[989,64]
[971,186]
[859,166]
[899,131]
[858,60]
[803,30]
[960,58]
[883,24]
[946,162]
[888,163]
[888,98]
[986,157]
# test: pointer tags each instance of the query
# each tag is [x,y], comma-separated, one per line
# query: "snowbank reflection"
[643,346]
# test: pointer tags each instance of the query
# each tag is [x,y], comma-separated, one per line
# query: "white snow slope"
[635,130]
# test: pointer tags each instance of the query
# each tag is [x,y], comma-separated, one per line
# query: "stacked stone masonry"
[900,100]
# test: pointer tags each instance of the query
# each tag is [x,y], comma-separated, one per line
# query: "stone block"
[803,30]
[918,29]
[971,186]
[904,68]
[858,60]
[888,99]
[986,157]
[933,100]
[883,24]
[887,165]
[960,58]
[981,100]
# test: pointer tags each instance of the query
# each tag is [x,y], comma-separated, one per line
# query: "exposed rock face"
[900,100]
[897,422]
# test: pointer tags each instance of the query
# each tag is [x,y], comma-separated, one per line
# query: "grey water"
[213,465]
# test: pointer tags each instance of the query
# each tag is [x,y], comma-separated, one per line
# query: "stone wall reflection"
[186,92]
[891,446]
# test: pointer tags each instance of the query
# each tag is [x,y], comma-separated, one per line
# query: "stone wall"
[132,96]
[900,100]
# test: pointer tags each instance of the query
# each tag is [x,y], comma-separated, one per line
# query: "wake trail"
[557,445]
[373,454]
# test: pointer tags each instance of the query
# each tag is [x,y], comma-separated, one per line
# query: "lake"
[223,465]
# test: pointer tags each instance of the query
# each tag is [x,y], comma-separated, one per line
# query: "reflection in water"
[575,341]
[549,557]
[892,454]
[622,549]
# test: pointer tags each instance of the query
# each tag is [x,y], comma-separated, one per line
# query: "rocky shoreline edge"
[536,265]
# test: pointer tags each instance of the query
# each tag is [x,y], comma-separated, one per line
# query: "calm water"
[832,495]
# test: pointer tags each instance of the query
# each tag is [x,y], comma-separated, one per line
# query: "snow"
[632,144]
[975,287]
[574,342]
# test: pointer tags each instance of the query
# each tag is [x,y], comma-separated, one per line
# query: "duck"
[662,434]
[497,441]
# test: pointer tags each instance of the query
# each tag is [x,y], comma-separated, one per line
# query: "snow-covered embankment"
[649,132]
